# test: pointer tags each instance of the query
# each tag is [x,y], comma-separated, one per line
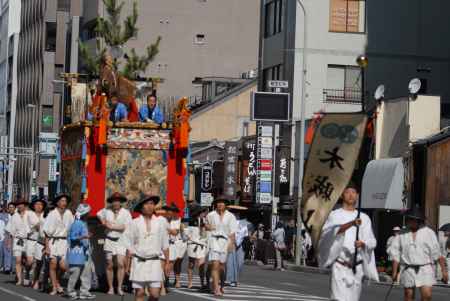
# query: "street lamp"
[33,134]
[301,167]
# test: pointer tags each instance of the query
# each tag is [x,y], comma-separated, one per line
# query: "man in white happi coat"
[36,241]
[396,231]
[338,244]
[197,246]
[416,251]
[145,238]
[56,227]
[20,227]
[222,226]
[115,219]
[177,246]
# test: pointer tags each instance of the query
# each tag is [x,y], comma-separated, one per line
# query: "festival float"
[99,157]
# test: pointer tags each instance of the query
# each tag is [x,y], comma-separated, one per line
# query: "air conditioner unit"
[252,74]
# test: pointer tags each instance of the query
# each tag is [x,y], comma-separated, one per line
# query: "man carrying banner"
[338,244]
[416,251]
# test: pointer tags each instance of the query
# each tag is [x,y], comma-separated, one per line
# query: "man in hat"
[145,238]
[222,226]
[416,252]
[396,231]
[19,227]
[56,228]
[115,219]
[177,247]
[338,244]
[36,239]
[197,246]
[78,255]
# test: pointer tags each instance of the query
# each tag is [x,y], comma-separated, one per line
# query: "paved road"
[257,284]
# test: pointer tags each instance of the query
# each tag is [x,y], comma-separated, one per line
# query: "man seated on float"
[151,111]
[119,111]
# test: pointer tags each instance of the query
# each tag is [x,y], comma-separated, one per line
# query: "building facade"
[9,41]
[199,39]
[320,50]
[42,57]
[405,41]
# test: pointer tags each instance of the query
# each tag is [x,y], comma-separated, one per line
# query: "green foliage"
[116,34]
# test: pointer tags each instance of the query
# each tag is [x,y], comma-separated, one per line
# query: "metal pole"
[33,133]
[298,254]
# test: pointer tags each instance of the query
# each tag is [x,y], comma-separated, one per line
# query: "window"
[200,39]
[347,16]
[343,84]
[50,38]
[274,17]
[272,73]
[47,119]
[63,5]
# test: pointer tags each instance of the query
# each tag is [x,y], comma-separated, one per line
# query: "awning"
[383,183]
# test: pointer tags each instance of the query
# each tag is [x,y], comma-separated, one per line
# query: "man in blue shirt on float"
[119,111]
[151,111]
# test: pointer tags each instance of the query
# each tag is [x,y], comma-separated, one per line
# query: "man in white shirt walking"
[145,239]
[338,244]
[56,228]
[222,226]
[115,219]
[20,226]
[416,252]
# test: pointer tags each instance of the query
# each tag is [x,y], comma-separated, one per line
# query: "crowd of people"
[52,249]
[41,246]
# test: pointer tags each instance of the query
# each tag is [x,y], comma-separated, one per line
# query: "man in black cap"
[145,238]
[222,226]
[56,228]
[115,219]
[416,252]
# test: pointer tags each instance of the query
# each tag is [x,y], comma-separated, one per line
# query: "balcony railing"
[344,96]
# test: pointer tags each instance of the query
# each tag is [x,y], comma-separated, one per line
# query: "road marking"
[246,292]
[5,290]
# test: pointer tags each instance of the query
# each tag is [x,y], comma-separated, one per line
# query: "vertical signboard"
[248,169]
[206,180]
[231,156]
[265,164]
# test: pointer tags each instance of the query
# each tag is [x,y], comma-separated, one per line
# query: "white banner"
[331,161]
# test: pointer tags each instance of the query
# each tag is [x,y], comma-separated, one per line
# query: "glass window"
[270,19]
[274,17]
[344,83]
[50,39]
[348,16]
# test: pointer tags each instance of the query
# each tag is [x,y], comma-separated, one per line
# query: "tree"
[115,35]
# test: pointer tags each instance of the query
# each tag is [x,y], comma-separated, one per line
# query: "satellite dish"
[379,92]
[414,86]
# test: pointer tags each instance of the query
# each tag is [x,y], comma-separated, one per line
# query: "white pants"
[58,248]
[424,276]
[345,285]
[217,256]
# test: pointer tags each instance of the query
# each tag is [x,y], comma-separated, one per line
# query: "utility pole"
[299,242]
